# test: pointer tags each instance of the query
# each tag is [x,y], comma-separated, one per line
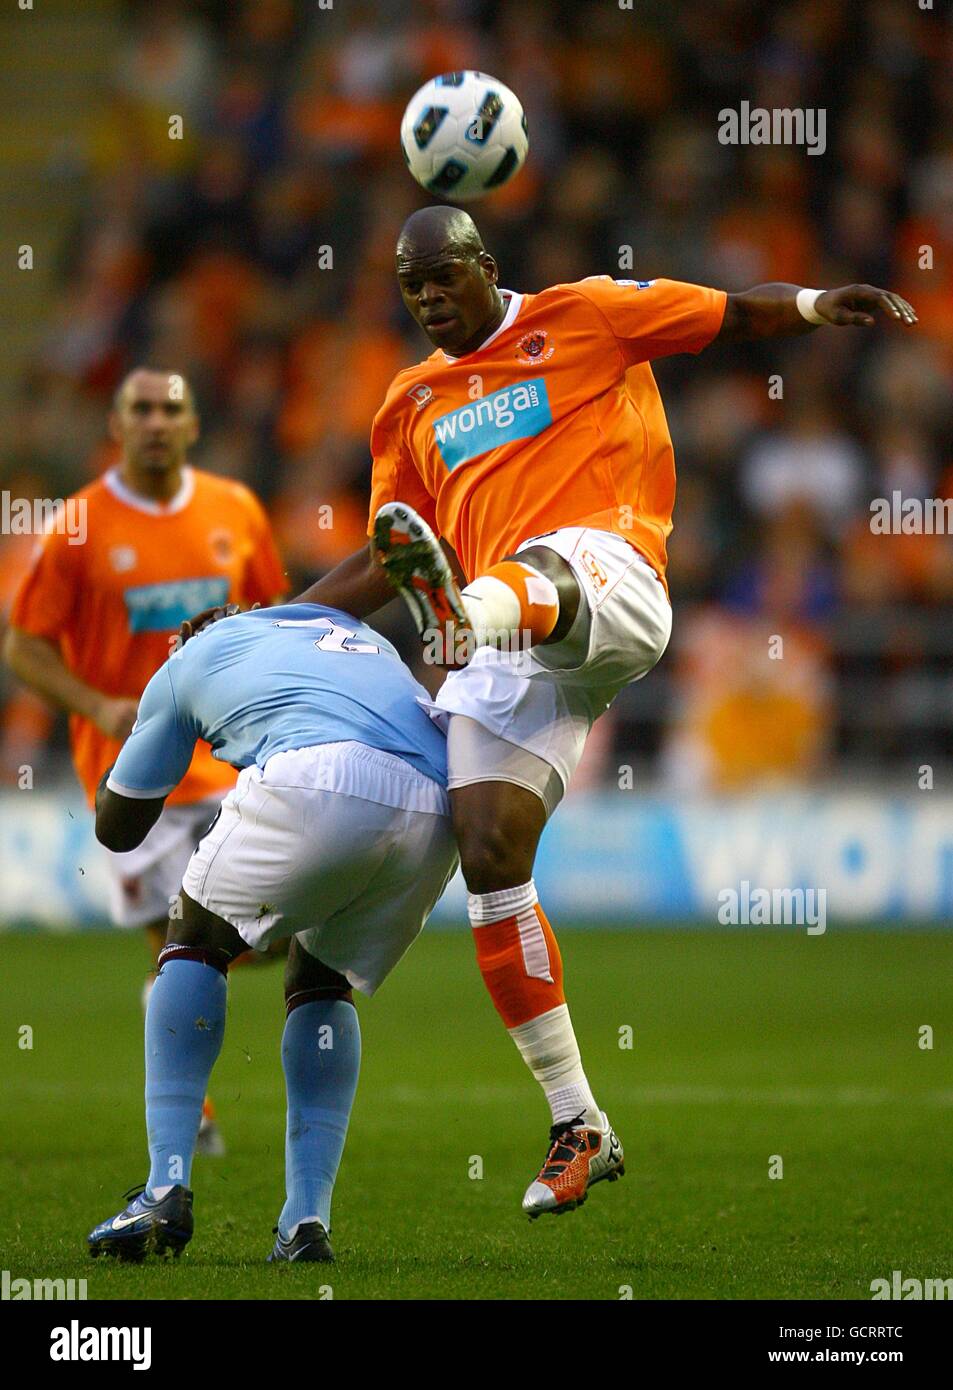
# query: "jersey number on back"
[334,638]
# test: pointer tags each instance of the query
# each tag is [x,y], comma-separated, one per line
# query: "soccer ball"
[463,134]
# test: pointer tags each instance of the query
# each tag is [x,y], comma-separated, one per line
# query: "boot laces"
[565,1133]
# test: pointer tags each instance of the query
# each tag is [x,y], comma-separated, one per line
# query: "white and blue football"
[463,134]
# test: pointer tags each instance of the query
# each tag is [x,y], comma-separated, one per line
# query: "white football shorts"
[545,700]
[143,882]
[346,847]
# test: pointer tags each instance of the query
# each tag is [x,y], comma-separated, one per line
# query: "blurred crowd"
[256,256]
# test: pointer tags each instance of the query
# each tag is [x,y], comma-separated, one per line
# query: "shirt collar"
[124,493]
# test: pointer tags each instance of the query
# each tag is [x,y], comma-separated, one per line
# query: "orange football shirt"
[555,421]
[113,603]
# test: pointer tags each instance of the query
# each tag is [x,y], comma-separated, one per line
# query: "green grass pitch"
[745,1045]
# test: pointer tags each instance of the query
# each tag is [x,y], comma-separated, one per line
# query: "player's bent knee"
[308,979]
[201,935]
[489,867]
[498,827]
[495,855]
[560,573]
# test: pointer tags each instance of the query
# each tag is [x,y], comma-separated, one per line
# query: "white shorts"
[341,845]
[144,881]
[546,700]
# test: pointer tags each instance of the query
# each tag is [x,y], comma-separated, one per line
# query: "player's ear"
[114,426]
[488,265]
[193,430]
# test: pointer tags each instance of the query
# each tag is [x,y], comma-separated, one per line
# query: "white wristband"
[805,301]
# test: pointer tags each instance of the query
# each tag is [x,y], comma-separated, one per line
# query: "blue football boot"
[146,1226]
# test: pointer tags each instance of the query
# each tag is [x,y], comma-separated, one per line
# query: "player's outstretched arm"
[358,585]
[780,311]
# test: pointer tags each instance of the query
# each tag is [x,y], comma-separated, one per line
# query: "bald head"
[436,232]
[447,279]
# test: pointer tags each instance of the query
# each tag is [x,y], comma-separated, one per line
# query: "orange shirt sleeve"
[655,318]
[265,579]
[394,477]
[46,600]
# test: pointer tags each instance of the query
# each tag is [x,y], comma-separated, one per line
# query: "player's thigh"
[501,795]
[625,621]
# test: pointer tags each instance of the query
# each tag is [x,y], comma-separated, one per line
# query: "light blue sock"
[185,1024]
[321,1055]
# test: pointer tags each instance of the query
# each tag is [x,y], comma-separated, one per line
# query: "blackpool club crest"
[222,545]
[532,348]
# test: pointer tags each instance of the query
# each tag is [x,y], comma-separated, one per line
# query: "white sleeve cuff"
[136,794]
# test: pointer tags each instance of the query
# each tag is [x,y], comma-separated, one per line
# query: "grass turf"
[745,1045]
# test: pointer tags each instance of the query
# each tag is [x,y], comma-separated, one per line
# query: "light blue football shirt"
[277,679]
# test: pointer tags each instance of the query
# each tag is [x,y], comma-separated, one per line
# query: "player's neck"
[489,328]
[155,487]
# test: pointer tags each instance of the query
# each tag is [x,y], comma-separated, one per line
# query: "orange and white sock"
[512,598]
[521,966]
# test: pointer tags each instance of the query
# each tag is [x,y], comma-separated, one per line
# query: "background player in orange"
[92,622]
[533,439]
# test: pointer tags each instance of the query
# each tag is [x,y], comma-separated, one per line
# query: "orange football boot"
[579,1155]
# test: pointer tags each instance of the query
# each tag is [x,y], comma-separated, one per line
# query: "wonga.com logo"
[162,607]
[516,412]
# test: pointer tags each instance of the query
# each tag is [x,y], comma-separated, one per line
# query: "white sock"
[491,606]
[495,610]
[549,1048]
